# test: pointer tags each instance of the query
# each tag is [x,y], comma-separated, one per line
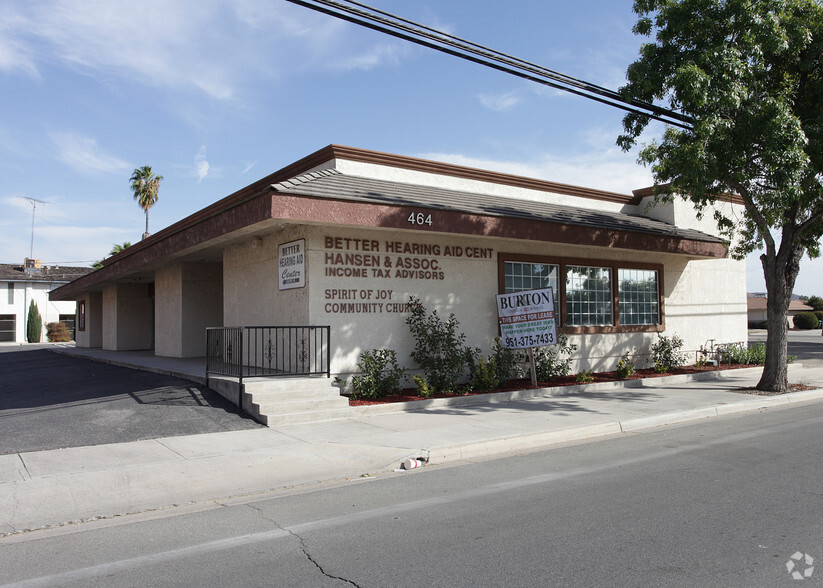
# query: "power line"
[384,22]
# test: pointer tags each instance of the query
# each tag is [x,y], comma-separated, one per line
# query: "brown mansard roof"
[297,194]
[332,184]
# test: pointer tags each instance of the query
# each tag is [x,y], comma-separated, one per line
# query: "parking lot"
[49,400]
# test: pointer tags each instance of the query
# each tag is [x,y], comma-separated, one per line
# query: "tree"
[115,249]
[34,324]
[816,302]
[145,186]
[748,75]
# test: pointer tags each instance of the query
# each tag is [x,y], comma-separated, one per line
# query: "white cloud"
[201,164]
[604,169]
[82,154]
[213,47]
[500,102]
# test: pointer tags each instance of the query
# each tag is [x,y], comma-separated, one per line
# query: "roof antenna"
[34,202]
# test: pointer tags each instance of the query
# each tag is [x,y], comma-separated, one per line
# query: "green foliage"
[584,377]
[379,374]
[806,320]
[748,79]
[145,186]
[819,315]
[439,347]
[423,388]
[740,353]
[554,361]
[816,302]
[34,324]
[505,362]
[57,333]
[484,375]
[666,353]
[625,366]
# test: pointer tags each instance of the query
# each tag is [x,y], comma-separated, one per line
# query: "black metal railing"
[243,352]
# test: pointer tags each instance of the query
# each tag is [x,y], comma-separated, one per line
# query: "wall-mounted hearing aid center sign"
[291,264]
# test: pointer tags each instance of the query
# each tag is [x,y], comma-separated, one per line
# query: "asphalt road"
[49,401]
[724,502]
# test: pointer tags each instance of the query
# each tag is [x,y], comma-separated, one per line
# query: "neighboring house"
[22,283]
[344,237]
[757,311]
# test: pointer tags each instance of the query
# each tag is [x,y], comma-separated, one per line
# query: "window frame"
[614,266]
[81,315]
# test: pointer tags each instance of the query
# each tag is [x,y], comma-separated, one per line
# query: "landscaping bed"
[411,395]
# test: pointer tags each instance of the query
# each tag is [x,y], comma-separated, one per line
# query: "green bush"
[554,361]
[806,320]
[740,353]
[584,377]
[423,388]
[379,374]
[484,375]
[57,333]
[625,366]
[819,315]
[439,347]
[34,324]
[666,353]
[505,362]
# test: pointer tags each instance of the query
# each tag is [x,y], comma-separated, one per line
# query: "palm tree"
[117,248]
[145,185]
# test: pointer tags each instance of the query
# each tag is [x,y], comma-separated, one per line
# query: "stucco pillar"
[189,298]
[128,321]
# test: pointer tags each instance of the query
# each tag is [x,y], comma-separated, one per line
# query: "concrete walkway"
[52,488]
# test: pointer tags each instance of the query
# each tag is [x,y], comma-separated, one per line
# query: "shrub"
[806,320]
[484,375]
[816,302]
[34,324]
[584,377]
[625,366]
[439,347]
[819,315]
[554,361]
[379,374]
[423,388]
[666,353]
[741,353]
[57,333]
[505,362]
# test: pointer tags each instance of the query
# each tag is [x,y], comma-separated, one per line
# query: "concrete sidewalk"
[48,488]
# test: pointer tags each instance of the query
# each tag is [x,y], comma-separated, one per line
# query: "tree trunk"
[780,271]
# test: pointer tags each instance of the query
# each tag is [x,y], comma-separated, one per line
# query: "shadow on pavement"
[49,401]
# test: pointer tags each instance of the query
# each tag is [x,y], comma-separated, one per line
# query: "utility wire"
[384,22]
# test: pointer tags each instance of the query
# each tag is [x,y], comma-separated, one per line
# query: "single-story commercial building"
[29,281]
[344,237]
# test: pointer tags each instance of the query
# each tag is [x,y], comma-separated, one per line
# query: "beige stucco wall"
[250,287]
[188,298]
[127,317]
[704,299]
[92,335]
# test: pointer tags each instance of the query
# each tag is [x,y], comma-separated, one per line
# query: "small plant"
[484,375]
[666,353]
[57,333]
[505,362]
[584,377]
[554,361]
[740,353]
[625,366]
[423,388]
[379,374]
[439,347]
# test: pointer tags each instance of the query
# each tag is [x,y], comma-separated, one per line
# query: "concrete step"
[298,405]
[293,400]
[312,416]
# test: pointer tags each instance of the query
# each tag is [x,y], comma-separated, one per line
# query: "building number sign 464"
[418,218]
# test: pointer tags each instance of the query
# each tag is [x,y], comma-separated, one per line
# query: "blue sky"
[217,94]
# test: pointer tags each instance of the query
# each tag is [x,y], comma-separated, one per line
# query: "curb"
[537,441]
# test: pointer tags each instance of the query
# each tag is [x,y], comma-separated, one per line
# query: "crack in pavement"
[303,548]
